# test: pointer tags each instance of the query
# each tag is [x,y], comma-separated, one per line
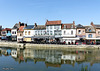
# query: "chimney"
[47,20]
[35,24]
[92,24]
[74,22]
[25,25]
[19,24]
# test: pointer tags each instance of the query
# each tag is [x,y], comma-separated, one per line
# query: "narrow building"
[20,32]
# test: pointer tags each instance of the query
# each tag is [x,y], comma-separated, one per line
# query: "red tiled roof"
[21,28]
[58,22]
[68,26]
[6,29]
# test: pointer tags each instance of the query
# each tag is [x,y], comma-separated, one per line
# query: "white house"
[14,32]
[53,29]
[69,33]
[40,31]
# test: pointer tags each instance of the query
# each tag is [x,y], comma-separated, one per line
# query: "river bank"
[28,45]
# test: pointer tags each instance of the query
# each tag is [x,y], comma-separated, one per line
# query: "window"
[54,27]
[20,34]
[13,32]
[44,32]
[50,32]
[79,31]
[50,27]
[35,32]
[99,32]
[64,32]
[90,36]
[64,26]
[25,32]
[28,32]
[71,32]
[47,27]
[47,32]
[57,27]
[89,30]
[41,32]
[38,33]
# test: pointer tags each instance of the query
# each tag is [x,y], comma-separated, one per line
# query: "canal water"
[49,60]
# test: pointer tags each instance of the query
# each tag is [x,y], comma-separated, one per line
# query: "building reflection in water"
[53,57]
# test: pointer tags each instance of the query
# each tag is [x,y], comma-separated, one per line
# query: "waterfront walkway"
[28,45]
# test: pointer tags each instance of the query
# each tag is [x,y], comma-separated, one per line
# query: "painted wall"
[97,32]
[93,35]
[40,32]
[26,33]
[14,32]
[50,29]
[67,33]
[81,33]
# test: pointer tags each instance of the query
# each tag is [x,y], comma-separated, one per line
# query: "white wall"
[54,27]
[27,35]
[40,32]
[14,30]
[68,33]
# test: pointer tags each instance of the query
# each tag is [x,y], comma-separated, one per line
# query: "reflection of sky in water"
[49,60]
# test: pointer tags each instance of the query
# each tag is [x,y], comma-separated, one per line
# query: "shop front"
[91,41]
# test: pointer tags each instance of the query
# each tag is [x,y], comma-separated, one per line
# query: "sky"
[38,11]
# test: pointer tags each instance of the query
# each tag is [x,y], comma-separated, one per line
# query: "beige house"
[90,34]
[80,31]
[97,32]
[97,29]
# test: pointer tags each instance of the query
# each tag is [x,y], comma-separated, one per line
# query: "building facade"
[0,30]
[14,31]
[40,33]
[53,29]
[69,33]
[28,33]
[20,33]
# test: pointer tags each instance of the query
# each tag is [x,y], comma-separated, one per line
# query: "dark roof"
[16,26]
[68,26]
[58,22]
[39,27]
[89,29]
[80,26]
[29,27]
[97,25]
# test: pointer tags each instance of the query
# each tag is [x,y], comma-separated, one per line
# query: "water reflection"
[53,57]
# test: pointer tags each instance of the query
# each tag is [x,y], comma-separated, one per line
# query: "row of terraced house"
[53,32]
